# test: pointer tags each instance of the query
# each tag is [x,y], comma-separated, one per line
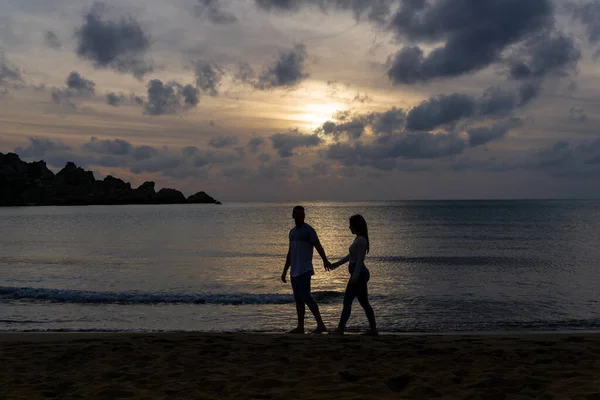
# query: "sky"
[300,100]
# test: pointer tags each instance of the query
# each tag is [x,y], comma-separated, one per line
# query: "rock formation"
[33,184]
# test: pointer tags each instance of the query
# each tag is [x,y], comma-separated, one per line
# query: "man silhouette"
[303,238]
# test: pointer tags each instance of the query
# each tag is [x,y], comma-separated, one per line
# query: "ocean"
[436,266]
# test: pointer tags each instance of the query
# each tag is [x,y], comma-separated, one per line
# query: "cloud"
[245,74]
[10,75]
[279,169]
[412,145]
[212,10]
[254,143]
[577,115]
[440,110]
[190,95]
[51,40]
[473,35]
[397,143]
[79,84]
[118,44]
[76,87]
[222,141]
[169,98]
[112,147]
[387,122]
[40,147]
[114,99]
[354,128]
[144,152]
[286,143]
[543,55]
[208,78]
[287,71]
[482,135]
[588,13]
[375,10]
[564,159]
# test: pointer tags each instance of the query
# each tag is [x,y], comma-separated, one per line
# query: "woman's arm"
[361,252]
[341,262]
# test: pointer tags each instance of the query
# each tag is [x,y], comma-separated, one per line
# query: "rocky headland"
[33,184]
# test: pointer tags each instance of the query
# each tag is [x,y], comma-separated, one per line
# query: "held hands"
[330,266]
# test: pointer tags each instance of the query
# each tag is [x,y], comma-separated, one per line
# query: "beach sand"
[273,366]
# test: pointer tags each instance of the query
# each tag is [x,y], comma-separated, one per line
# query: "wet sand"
[273,366]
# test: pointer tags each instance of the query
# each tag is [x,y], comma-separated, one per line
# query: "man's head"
[298,215]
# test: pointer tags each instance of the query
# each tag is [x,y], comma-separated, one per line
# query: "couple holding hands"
[303,238]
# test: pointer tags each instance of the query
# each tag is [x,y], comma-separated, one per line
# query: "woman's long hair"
[360,227]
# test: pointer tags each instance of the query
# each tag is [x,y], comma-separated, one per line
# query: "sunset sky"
[266,100]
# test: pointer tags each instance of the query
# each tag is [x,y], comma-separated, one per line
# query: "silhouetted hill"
[33,184]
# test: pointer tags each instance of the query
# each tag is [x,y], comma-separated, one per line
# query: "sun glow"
[314,115]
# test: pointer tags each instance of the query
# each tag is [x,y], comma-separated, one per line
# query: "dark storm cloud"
[482,135]
[76,87]
[79,84]
[190,95]
[588,13]
[375,10]
[112,147]
[278,169]
[223,141]
[416,146]
[474,35]
[212,10]
[135,99]
[544,55]
[388,121]
[208,78]
[40,147]
[286,71]
[528,92]
[114,99]
[439,111]
[51,40]
[410,146]
[10,75]
[254,143]
[354,128]
[245,74]
[565,159]
[286,143]
[119,44]
[144,152]
[169,98]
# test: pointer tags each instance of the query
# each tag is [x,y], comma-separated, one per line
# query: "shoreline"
[272,366]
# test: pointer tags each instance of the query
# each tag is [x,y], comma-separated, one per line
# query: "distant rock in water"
[201,198]
[33,184]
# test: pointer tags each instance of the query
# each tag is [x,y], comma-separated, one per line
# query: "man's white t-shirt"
[302,241]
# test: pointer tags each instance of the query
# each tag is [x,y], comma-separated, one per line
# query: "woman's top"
[356,255]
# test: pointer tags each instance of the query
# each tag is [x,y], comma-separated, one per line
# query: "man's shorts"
[301,287]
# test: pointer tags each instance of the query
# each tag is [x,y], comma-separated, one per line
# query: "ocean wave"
[137,297]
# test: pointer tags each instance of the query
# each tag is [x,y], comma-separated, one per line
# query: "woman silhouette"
[359,276]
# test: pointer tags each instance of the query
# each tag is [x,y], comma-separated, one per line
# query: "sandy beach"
[273,366]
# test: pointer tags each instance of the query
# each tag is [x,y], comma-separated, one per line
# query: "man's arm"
[288,262]
[314,240]
[321,252]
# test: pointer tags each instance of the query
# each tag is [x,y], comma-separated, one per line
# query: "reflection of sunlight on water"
[432,264]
